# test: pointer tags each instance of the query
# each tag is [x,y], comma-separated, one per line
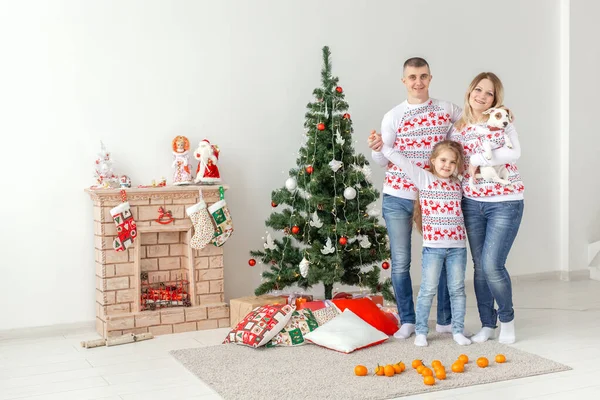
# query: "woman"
[492,211]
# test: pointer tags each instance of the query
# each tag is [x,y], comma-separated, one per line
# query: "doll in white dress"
[181,161]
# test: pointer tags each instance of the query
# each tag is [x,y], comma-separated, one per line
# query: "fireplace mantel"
[162,251]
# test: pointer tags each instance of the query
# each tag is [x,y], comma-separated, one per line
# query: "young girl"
[438,216]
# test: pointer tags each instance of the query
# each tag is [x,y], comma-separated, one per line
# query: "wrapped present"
[376,298]
[297,299]
[240,307]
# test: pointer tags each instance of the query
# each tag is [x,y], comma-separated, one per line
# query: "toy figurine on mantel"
[208,156]
[105,177]
[181,161]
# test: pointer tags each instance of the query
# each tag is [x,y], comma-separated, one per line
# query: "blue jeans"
[398,213]
[491,229]
[454,261]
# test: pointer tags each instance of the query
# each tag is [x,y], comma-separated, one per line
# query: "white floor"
[557,320]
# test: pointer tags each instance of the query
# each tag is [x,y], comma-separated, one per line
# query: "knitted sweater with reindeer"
[485,190]
[413,130]
[443,223]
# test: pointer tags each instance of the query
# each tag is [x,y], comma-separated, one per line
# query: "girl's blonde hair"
[454,147]
[467,116]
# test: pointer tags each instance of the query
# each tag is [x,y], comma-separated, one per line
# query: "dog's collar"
[494,128]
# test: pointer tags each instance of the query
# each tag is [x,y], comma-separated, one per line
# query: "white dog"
[499,119]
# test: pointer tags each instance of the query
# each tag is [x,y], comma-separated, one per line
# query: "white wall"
[584,138]
[136,73]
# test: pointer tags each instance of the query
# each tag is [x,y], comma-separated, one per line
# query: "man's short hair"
[416,62]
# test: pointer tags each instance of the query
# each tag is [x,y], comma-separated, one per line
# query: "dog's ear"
[489,111]
[511,117]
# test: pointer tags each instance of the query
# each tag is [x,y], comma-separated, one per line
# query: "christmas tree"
[103,172]
[331,230]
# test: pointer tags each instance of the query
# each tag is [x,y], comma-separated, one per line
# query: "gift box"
[240,307]
[297,299]
[376,298]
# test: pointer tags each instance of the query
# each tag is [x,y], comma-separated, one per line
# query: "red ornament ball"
[346,116]
[273,204]
[343,240]
[295,229]
[309,169]
[252,262]
[385,265]
[321,126]
[339,89]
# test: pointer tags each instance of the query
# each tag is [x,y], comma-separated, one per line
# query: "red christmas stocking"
[126,228]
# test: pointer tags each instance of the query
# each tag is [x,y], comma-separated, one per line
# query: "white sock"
[483,335]
[507,332]
[405,331]
[421,340]
[461,339]
[448,329]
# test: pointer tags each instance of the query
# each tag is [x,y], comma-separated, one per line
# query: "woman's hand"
[375,141]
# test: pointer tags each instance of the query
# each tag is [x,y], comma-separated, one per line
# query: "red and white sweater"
[486,190]
[443,223]
[413,130]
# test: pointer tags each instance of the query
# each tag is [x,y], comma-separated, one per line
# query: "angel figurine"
[181,161]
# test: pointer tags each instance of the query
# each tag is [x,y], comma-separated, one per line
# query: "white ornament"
[270,244]
[304,194]
[335,165]
[291,184]
[328,248]
[304,264]
[364,242]
[349,193]
[338,138]
[366,170]
[372,211]
[315,221]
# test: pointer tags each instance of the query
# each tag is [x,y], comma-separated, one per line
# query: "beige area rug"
[312,372]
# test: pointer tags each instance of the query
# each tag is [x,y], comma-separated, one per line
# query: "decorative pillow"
[260,325]
[368,311]
[326,314]
[301,323]
[346,333]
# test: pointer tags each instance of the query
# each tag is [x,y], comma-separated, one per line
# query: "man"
[413,127]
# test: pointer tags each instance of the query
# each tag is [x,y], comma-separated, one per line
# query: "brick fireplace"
[162,253]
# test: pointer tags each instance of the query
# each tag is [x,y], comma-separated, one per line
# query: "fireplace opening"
[164,294]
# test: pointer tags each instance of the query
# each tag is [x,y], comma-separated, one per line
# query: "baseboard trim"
[48,330]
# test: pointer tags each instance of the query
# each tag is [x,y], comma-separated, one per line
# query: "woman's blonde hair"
[467,116]
[457,149]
